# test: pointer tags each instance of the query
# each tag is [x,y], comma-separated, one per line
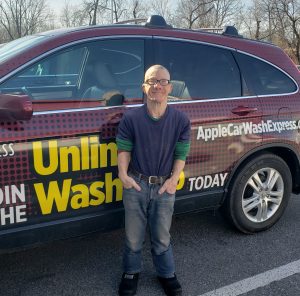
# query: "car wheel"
[259,193]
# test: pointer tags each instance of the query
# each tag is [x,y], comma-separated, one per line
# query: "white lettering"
[15,192]
[21,211]
[207,181]
[6,150]
[231,129]
[9,215]
[199,183]
[200,134]
[192,183]
[223,177]
[12,194]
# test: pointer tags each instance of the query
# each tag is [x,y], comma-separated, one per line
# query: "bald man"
[153,142]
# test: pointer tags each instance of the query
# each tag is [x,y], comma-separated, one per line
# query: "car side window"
[263,78]
[108,72]
[199,71]
[113,72]
[55,77]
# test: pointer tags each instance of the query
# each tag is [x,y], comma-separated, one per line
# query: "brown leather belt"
[149,179]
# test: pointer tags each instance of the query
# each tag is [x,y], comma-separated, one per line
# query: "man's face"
[157,92]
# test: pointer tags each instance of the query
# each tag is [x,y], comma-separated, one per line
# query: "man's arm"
[123,164]
[171,183]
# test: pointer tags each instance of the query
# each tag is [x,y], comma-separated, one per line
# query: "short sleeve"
[185,134]
[124,137]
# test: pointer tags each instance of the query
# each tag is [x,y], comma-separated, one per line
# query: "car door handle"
[243,110]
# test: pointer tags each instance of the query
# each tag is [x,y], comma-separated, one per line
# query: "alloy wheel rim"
[262,195]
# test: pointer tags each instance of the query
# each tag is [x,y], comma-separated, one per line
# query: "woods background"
[276,21]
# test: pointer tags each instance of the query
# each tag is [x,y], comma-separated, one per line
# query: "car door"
[59,169]
[225,116]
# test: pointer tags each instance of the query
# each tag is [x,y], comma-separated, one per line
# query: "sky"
[56,5]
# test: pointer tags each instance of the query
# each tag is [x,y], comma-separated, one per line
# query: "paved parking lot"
[211,258]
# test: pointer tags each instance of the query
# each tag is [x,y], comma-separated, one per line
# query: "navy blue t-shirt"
[153,141]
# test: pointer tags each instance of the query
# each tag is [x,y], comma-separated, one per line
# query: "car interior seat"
[179,90]
[105,85]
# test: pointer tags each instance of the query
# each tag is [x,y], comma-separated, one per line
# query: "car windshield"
[15,46]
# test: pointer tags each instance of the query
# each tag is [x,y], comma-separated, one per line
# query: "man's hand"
[171,183]
[169,186]
[123,163]
[129,182]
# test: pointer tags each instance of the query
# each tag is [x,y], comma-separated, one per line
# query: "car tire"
[259,193]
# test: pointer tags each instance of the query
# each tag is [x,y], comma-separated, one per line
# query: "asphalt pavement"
[210,256]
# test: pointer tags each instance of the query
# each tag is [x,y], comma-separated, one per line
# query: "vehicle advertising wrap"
[67,176]
[59,166]
[245,128]
[59,177]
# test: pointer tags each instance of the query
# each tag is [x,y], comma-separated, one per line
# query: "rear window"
[263,78]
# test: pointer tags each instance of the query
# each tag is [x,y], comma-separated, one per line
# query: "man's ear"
[143,87]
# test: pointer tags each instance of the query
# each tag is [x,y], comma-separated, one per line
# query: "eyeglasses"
[162,82]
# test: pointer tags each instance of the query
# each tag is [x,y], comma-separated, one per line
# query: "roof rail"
[157,21]
[136,21]
[214,30]
[231,31]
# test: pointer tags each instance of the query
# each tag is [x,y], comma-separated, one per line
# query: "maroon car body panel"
[60,166]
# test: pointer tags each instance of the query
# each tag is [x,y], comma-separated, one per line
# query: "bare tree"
[223,12]
[162,7]
[94,9]
[22,17]
[205,13]
[288,20]
[253,17]
[137,9]
[118,9]
[277,21]
[72,15]
[260,20]
[189,12]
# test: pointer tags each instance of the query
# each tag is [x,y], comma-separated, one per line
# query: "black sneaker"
[171,286]
[128,285]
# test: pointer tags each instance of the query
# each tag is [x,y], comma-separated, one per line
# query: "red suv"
[63,92]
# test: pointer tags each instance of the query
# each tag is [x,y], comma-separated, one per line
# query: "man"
[153,142]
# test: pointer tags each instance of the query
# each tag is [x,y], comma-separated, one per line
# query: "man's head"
[157,84]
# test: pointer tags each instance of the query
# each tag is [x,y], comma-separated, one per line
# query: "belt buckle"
[150,179]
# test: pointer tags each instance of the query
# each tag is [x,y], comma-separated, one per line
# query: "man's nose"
[157,84]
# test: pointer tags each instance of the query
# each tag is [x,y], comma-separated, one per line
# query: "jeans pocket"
[168,196]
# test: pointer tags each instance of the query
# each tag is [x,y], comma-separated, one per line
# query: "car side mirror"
[15,107]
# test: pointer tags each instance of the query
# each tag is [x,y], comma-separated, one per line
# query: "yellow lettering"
[94,152]
[38,159]
[80,199]
[104,148]
[54,195]
[74,152]
[95,192]
[109,184]
[181,181]
[85,156]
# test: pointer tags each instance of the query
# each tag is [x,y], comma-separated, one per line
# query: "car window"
[113,68]
[199,71]
[264,78]
[107,71]
[52,78]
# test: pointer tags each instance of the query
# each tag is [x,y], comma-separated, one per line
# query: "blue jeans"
[142,208]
